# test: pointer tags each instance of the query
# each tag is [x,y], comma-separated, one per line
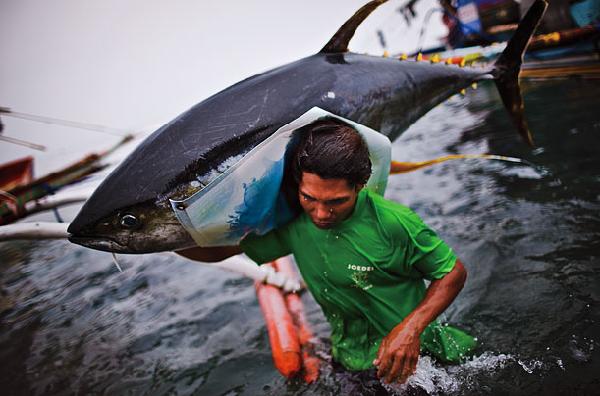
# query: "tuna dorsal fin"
[341,38]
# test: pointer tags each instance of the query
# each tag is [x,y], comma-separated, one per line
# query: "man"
[363,258]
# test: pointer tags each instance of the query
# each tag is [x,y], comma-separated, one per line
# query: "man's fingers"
[377,360]
[409,369]
[384,365]
[380,350]
[396,368]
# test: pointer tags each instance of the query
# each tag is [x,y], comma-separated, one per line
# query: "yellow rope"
[405,167]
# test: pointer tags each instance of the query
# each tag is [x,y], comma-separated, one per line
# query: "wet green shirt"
[367,274]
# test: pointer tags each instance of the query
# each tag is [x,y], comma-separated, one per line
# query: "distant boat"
[566,44]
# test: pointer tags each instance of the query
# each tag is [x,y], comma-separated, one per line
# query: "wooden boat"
[13,200]
[566,44]
[562,54]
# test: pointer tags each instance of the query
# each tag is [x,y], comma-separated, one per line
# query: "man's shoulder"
[394,217]
[294,227]
[382,203]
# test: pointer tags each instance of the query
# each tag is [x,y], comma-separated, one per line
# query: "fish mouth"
[105,244]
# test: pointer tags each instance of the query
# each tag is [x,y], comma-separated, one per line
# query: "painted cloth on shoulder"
[367,274]
[246,195]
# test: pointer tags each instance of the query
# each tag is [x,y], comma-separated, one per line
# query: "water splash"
[530,365]
[436,379]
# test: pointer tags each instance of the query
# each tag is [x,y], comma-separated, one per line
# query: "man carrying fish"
[365,259]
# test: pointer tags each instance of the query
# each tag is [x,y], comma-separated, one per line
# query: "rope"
[67,123]
[405,167]
[22,143]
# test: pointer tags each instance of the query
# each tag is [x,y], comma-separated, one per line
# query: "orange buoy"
[283,337]
[295,306]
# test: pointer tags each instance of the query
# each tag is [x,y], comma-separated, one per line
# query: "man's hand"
[399,351]
[398,354]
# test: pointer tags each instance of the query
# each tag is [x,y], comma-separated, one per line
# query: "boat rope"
[424,27]
[58,121]
[22,143]
[404,167]
[57,215]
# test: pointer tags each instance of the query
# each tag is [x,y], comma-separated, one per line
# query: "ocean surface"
[529,235]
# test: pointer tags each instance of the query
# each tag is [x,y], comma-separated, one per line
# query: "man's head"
[330,165]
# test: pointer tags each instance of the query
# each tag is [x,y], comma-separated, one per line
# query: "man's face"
[326,201]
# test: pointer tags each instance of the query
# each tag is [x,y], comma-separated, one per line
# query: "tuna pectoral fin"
[507,67]
[339,41]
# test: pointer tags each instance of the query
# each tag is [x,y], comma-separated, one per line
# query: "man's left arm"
[399,350]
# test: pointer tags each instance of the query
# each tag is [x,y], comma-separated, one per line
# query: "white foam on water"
[436,379]
[530,365]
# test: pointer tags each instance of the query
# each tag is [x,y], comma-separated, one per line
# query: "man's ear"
[359,187]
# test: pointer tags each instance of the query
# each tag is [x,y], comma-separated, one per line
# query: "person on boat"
[364,258]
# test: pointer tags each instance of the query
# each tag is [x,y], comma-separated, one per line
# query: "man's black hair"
[331,149]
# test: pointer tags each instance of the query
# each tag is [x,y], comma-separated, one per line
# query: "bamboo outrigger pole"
[37,230]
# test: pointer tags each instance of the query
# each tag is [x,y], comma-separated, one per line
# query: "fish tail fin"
[507,67]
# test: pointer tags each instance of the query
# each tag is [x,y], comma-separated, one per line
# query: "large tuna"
[130,211]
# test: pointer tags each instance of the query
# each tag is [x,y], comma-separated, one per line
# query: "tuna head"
[143,228]
[130,212]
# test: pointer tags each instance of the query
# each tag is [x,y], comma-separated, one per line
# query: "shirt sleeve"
[264,248]
[431,256]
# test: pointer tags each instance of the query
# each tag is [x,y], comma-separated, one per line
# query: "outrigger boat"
[21,189]
[567,43]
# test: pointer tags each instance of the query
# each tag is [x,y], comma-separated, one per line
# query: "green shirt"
[367,274]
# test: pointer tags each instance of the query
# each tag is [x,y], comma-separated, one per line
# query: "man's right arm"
[210,254]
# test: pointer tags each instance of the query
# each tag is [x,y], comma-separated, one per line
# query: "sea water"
[529,236]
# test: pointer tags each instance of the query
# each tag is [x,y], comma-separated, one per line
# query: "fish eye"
[129,221]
